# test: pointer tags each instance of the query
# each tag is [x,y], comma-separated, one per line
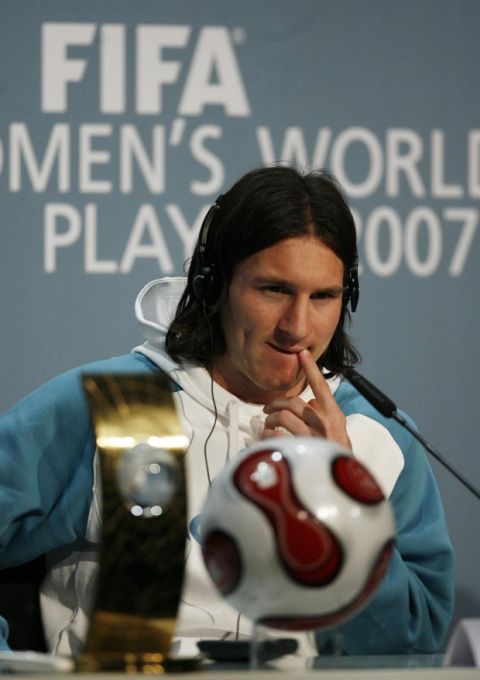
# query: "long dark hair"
[263,207]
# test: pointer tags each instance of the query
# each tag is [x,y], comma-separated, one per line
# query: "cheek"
[250,319]
[335,318]
[328,324]
[238,327]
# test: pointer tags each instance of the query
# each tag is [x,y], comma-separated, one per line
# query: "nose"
[295,320]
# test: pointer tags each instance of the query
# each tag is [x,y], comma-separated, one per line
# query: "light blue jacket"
[46,480]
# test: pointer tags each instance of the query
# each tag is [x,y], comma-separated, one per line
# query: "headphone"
[353,288]
[203,278]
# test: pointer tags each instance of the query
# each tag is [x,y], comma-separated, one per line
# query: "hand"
[321,417]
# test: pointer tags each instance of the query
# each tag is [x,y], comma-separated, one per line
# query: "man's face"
[281,300]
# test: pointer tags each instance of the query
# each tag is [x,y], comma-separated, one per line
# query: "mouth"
[282,350]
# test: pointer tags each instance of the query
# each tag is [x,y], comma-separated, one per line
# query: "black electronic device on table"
[239,651]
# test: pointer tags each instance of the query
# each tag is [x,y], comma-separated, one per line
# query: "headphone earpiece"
[203,278]
[202,283]
[353,287]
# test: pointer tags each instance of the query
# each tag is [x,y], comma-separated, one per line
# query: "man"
[257,346]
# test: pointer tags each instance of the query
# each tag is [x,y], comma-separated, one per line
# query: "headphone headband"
[203,276]
[205,228]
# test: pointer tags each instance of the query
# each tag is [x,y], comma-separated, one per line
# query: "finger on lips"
[314,376]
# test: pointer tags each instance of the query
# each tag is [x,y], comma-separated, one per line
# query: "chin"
[282,387]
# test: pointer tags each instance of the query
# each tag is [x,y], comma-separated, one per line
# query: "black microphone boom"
[387,408]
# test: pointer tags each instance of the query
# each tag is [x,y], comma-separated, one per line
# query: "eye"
[324,295]
[327,295]
[275,288]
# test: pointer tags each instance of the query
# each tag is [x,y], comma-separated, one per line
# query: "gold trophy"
[141,447]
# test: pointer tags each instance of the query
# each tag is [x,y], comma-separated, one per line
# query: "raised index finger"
[315,379]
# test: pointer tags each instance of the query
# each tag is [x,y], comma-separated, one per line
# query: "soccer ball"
[296,533]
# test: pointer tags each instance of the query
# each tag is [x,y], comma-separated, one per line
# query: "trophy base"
[146,663]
